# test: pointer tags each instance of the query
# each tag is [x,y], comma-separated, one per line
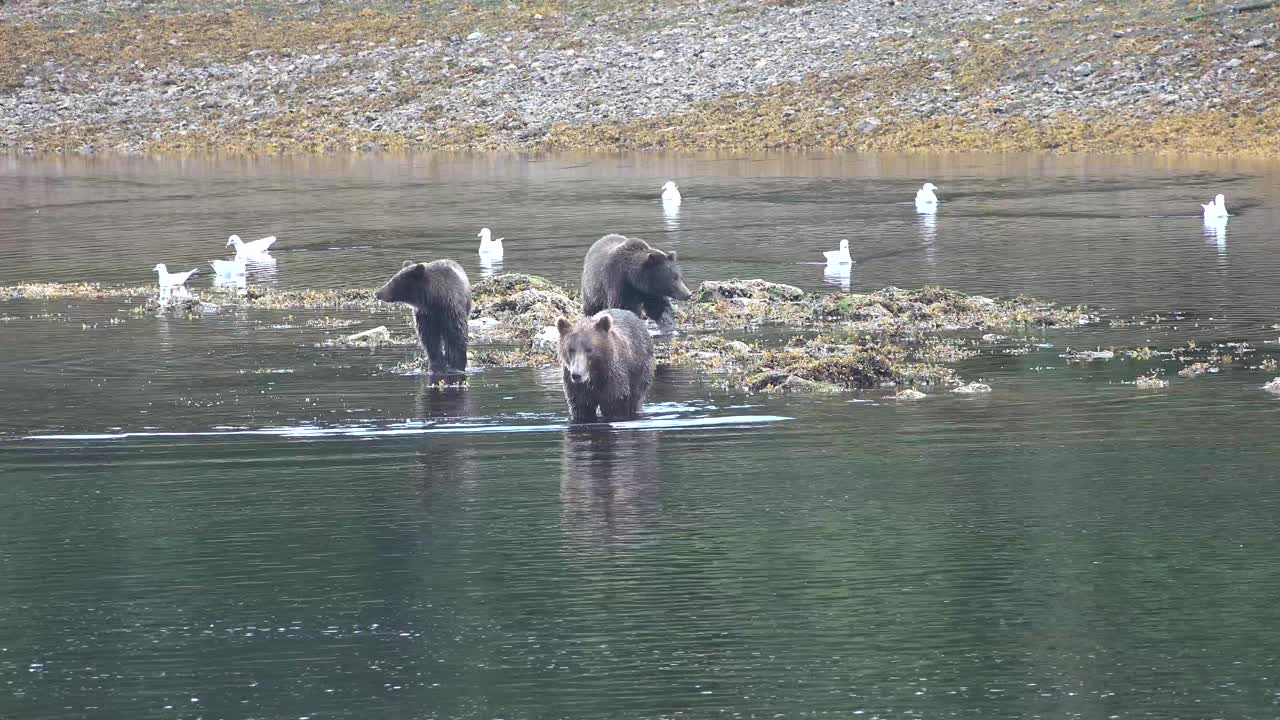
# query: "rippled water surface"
[222,518]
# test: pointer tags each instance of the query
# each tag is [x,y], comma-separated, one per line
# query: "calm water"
[218,518]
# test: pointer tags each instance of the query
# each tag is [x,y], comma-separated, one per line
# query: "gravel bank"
[856,74]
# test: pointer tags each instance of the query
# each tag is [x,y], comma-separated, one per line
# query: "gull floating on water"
[256,247]
[1216,210]
[670,193]
[171,280]
[838,257]
[228,268]
[490,249]
[926,201]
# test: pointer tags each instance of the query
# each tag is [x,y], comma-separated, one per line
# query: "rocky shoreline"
[166,77]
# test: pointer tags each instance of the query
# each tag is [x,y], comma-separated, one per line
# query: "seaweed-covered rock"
[859,365]
[717,290]
[520,306]
[744,304]
[881,339]
[933,308]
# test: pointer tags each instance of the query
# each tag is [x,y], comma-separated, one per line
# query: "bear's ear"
[564,326]
[671,256]
[655,257]
[406,264]
[604,323]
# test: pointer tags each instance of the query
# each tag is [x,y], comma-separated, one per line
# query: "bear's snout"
[575,377]
[381,294]
[682,292]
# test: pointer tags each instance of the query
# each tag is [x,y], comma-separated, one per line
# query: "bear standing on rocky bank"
[607,363]
[629,274]
[440,295]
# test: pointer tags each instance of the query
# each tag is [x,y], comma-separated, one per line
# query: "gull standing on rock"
[169,280]
[490,249]
[670,193]
[926,201]
[249,249]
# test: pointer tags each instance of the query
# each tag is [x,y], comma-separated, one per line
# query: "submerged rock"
[1273,386]
[909,394]
[1087,355]
[1151,382]
[369,338]
[972,388]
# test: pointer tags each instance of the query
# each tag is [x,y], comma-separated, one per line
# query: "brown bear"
[607,363]
[628,274]
[441,299]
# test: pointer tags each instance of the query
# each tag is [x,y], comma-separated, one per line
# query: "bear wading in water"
[606,362]
[629,274]
[441,299]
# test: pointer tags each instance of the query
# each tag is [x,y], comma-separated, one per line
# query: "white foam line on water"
[306,431]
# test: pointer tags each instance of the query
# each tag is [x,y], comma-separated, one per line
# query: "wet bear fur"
[629,274]
[606,363]
[440,296]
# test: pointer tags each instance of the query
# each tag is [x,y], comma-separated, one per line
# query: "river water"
[219,518]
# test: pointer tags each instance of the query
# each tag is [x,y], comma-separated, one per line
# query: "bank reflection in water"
[609,487]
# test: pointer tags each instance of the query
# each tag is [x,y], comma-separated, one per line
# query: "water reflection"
[445,460]
[231,280]
[671,215]
[262,270]
[489,267]
[928,228]
[609,488]
[1215,231]
[837,275]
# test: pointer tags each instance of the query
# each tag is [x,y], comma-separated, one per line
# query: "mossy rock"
[717,290]
[509,284]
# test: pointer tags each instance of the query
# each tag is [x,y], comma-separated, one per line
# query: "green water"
[219,518]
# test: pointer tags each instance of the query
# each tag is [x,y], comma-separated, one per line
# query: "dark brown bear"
[607,363]
[441,299]
[630,275]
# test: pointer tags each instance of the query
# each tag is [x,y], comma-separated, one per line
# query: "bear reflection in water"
[447,459]
[609,489]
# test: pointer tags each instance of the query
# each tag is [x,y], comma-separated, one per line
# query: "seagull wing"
[260,245]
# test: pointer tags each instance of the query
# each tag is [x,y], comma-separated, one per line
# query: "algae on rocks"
[889,338]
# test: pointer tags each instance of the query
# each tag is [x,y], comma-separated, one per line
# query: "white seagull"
[670,193]
[256,247]
[490,248]
[926,201]
[839,257]
[1216,210]
[171,280]
[228,268]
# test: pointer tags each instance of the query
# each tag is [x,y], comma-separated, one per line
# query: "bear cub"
[440,296]
[607,363]
[629,274]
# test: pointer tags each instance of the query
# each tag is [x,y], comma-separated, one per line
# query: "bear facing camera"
[440,296]
[606,363]
[629,274]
